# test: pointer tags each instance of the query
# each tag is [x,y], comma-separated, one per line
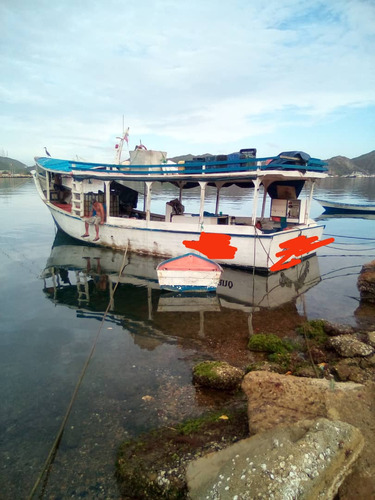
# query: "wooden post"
[148,200]
[47,186]
[255,201]
[308,204]
[201,208]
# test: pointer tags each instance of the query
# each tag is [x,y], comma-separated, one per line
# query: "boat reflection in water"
[84,277]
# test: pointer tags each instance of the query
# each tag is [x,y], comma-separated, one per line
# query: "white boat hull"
[352,208]
[188,280]
[166,239]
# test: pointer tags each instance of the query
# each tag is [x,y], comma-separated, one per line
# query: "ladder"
[82,288]
[78,199]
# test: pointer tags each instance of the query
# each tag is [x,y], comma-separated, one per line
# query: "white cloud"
[195,73]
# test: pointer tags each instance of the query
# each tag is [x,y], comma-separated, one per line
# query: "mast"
[125,135]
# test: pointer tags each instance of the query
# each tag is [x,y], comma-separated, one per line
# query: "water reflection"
[85,278]
[9,184]
[356,190]
[329,216]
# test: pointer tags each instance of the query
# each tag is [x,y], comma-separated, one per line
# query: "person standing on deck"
[95,217]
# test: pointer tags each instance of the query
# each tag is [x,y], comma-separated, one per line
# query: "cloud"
[195,73]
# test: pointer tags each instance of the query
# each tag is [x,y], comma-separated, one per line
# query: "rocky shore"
[298,423]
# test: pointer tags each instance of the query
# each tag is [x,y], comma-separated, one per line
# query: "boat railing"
[207,167]
[193,167]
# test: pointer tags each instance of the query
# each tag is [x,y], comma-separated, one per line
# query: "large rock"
[349,346]
[275,399]
[366,282]
[307,460]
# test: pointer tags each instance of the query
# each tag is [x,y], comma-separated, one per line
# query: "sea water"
[139,375]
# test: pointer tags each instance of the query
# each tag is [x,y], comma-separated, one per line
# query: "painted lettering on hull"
[214,246]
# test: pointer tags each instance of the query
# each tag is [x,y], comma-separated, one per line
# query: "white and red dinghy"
[189,272]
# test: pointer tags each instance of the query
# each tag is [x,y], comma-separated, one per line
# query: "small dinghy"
[346,208]
[189,272]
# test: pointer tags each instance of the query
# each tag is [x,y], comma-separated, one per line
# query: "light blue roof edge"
[57,165]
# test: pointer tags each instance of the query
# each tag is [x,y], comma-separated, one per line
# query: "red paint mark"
[214,246]
[297,247]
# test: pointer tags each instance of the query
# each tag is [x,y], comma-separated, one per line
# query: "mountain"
[341,165]
[13,166]
[366,162]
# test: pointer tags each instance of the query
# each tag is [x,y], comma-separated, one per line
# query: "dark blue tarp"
[290,158]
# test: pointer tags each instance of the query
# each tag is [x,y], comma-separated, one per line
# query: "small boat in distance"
[339,207]
[189,273]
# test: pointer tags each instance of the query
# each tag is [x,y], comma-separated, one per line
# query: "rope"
[354,237]
[356,249]
[52,454]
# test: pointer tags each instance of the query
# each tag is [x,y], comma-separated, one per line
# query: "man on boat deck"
[96,217]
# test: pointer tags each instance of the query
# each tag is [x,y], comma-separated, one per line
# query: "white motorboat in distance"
[252,240]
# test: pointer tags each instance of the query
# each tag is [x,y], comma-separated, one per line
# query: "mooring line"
[354,237]
[52,454]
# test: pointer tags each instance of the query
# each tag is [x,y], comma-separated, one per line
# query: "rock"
[318,355]
[275,399]
[309,460]
[366,282]
[349,346]
[350,369]
[306,371]
[368,362]
[217,375]
[333,329]
[371,338]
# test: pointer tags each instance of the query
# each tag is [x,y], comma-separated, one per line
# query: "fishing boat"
[346,208]
[80,271]
[189,272]
[267,241]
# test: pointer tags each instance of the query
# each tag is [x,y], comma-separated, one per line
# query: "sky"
[197,76]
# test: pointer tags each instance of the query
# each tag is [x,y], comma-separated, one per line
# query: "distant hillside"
[182,158]
[188,157]
[340,165]
[366,162]
[11,165]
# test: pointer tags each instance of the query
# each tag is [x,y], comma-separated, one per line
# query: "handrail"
[188,167]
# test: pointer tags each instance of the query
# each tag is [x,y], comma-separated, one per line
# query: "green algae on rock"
[217,375]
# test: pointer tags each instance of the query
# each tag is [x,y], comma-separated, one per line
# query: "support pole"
[148,200]
[264,202]
[308,204]
[107,188]
[201,208]
[219,185]
[181,185]
[255,200]
[47,185]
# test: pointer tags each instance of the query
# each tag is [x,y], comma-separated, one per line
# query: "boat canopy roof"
[234,171]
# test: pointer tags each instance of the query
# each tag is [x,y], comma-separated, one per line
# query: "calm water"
[53,296]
